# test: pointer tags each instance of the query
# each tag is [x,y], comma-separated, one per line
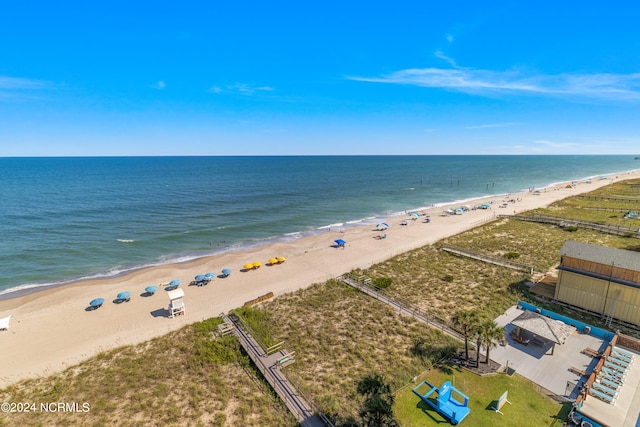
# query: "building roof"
[601,254]
[549,329]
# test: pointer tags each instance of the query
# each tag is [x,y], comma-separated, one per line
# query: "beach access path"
[52,330]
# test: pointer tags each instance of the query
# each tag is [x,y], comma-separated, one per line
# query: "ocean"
[65,219]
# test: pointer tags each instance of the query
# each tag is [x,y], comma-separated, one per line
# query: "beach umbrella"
[384,224]
[415,215]
[151,289]
[226,272]
[124,296]
[281,259]
[175,283]
[199,278]
[97,303]
[273,261]
[209,276]
[248,266]
[257,264]
[340,242]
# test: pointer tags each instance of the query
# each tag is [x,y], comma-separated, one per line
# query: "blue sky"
[289,78]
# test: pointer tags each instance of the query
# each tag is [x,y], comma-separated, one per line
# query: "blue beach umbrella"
[226,272]
[199,278]
[209,276]
[124,296]
[340,242]
[175,283]
[151,289]
[384,224]
[97,303]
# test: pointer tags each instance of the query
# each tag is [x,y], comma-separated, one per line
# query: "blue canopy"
[124,295]
[151,289]
[199,278]
[209,276]
[340,242]
[385,224]
[96,302]
[226,271]
[175,283]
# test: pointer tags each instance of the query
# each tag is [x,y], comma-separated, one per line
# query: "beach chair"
[621,357]
[4,323]
[613,375]
[604,389]
[623,363]
[622,353]
[611,384]
[600,395]
[614,367]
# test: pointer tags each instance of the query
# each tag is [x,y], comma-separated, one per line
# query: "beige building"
[600,279]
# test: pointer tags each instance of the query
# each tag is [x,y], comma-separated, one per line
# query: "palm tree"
[490,334]
[467,321]
[377,409]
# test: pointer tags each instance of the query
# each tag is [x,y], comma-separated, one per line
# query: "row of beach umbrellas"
[125,296]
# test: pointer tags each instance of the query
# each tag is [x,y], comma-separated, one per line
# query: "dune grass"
[339,335]
[186,378]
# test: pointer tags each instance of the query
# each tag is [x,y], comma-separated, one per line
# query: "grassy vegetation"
[339,335]
[529,407]
[185,378]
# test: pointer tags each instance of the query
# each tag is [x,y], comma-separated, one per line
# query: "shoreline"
[179,258]
[51,329]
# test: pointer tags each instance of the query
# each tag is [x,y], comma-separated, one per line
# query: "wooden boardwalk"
[403,307]
[618,230]
[488,258]
[270,366]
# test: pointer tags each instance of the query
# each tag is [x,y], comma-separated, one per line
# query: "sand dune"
[52,329]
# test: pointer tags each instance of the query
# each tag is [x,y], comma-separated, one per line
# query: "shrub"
[448,278]
[512,255]
[383,282]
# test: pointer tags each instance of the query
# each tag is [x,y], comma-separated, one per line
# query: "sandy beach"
[52,329]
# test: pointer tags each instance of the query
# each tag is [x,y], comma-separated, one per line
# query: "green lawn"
[528,406]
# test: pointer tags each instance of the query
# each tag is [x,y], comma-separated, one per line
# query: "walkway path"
[270,367]
[403,307]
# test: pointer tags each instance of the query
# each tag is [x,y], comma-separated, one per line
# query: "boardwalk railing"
[618,230]
[270,368]
[402,306]
[611,199]
[488,258]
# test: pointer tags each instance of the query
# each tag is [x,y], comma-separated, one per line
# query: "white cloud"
[487,82]
[441,55]
[15,87]
[241,88]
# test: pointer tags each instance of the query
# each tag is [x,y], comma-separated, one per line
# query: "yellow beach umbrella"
[281,259]
[273,261]
[257,264]
[248,266]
